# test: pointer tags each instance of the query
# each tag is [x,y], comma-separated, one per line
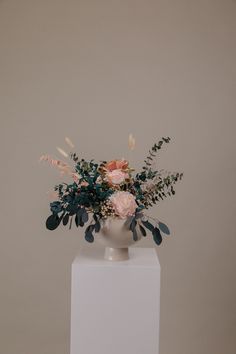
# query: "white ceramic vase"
[116,236]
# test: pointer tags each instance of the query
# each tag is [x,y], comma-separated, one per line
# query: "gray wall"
[95,71]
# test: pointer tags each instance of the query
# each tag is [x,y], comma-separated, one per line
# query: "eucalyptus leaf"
[164,228]
[52,222]
[55,207]
[97,226]
[157,236]
[143,231]
[80,211]
[90,228]
[89,236]
[70,226]
[65,219]
[81,223]
[76,220]
[148,225]
[135,235]
[84,217]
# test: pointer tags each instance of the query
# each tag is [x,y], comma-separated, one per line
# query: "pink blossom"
[123,203]
[116,176]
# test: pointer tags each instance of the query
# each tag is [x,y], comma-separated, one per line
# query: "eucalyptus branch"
[160,188]
[153,152]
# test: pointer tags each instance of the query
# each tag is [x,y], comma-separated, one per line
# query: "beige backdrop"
[95,71]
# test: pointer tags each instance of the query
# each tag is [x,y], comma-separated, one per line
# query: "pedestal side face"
[115,309]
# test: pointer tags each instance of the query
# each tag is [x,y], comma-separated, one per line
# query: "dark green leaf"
[84,217]
[89,236]
[157,236]
[70,223]
[135,235]
[90,228]
[148,225]
[52,222]
[97,226]
[143,231]
[56,207]
[76,220]
[80,211]
[81,223]
[65,219]
[164,228]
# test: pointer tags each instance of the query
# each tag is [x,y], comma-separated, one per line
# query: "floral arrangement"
[110,189]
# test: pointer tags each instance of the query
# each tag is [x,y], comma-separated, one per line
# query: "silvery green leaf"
[164,228]
[157,236]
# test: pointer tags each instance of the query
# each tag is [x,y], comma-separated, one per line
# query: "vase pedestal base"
[116,254]
[115,305]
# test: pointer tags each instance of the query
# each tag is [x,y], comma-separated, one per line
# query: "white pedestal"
[115,305]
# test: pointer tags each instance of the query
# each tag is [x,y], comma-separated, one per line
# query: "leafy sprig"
[153,152]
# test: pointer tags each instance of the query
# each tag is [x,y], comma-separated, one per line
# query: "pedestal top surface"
[139,257]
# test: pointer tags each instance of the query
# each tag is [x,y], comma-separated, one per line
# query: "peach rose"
[116,176]
[123,203]
[116,165]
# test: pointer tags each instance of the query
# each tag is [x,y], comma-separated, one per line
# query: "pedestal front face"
[115,305]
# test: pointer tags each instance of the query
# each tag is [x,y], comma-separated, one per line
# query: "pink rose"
[116,176]
[123,203]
